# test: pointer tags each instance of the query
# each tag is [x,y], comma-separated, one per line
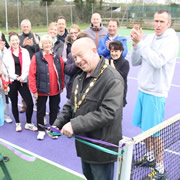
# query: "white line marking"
[43,159]
[167,150]
[173,152]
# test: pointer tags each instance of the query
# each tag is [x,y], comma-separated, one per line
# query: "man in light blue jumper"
[156,55]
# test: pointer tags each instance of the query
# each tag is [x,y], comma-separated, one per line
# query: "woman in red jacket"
[46,79]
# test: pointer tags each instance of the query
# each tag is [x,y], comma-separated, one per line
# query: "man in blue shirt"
[103,46]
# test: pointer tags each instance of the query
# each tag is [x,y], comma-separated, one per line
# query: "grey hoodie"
[96,33]
[157,57]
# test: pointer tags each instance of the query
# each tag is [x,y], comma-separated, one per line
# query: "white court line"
[43,159]
[173,152]
[174,85]
[167,150]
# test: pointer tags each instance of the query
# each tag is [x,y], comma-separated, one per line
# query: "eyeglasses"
[74,33]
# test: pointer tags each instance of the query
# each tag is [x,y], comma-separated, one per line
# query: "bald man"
[96,30]
[94,109]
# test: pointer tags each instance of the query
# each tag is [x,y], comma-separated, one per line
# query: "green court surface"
[40,169]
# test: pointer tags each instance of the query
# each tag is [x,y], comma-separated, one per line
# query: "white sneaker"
[45,121]
[30,126]
[18,127]
[55,137]
[8,119]
[40,135]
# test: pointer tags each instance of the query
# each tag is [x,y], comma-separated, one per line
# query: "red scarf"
[20,57]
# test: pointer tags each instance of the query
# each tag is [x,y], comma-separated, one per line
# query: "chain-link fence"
[40,14]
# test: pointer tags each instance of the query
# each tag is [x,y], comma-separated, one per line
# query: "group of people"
[92,66]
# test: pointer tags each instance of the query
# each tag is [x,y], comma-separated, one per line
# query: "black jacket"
[4,39]
[62,38]
[68,44]
[122,66]
[58,48]
[100,114]
[72,70]
[42,73]
[31,49]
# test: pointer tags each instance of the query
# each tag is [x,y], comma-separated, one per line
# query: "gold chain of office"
[77,104]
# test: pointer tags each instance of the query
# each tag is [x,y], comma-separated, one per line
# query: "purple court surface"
[62,150]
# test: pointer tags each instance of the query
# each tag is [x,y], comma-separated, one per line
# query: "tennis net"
[163,141]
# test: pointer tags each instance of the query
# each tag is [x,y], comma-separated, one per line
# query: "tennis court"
[167,145]
[38,168]
[62,151]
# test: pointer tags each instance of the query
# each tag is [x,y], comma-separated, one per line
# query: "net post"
[124,160]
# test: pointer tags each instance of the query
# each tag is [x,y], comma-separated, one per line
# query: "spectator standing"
[70,67]
[46,79]
[156,55]
[3,45]
[3,90]
[17,61]
[74,30]
[59,47]
[29,41]
[62,31]
[96,31]
[103,46]
[119,63]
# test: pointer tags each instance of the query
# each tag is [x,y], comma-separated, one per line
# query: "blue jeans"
[98,171]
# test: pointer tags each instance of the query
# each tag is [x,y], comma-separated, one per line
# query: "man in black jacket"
[62,31]
[94,109]
[29,41]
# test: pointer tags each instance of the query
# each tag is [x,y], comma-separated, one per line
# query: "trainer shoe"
[18,127]
[30,126]
[40,135]
[8,119]
[145,163]
[155,175]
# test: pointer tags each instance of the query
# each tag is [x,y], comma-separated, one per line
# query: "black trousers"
[23,89]
[41,108]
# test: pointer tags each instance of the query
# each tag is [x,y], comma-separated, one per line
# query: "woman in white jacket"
[17,61]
